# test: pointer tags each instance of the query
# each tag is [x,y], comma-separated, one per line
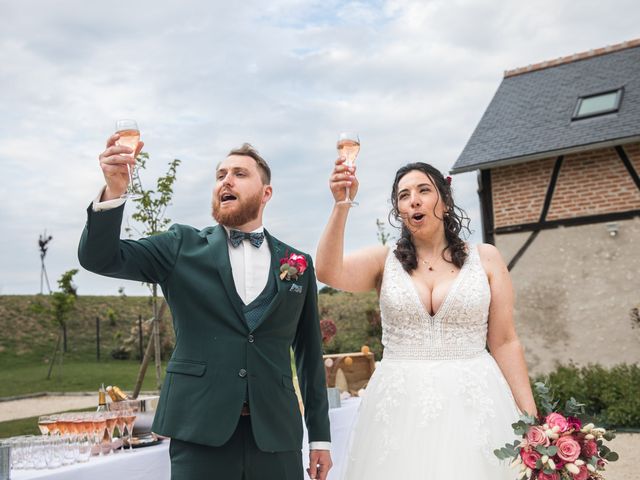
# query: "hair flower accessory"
[448,179]
[292,267]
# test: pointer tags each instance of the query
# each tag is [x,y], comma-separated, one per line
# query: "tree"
[150,212]
[383,236]
[70,290]
[63,303]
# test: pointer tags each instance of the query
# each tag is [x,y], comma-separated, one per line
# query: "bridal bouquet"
[558,445]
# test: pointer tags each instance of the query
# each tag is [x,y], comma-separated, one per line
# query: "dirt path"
[32,407]
[628,446]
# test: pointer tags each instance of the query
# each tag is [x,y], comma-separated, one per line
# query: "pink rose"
[301,264]
[548,476]
[590,448]
[298,261]
[574,423]
[557,420]
[583,474]
[568,448]
[536,436]
[530,458]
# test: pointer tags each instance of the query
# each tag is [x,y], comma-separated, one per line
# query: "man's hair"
[247,150]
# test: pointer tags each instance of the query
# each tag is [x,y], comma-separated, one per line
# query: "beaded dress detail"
[437,404]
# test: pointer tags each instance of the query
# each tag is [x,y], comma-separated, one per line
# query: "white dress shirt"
[249,265]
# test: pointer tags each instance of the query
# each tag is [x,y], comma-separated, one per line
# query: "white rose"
[571,468]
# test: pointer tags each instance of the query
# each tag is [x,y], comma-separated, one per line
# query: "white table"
[142,463]
[153,462]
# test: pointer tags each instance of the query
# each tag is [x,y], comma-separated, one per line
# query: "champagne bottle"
[102,400]
[116,394]
[112,394]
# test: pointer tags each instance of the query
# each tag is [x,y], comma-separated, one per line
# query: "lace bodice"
[457,330]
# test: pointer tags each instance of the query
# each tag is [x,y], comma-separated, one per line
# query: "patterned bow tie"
[236,237]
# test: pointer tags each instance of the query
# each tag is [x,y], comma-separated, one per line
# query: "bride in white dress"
[439,403]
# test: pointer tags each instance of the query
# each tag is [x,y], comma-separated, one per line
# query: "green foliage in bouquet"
[509,451]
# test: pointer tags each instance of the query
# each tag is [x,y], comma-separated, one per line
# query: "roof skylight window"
[598,104]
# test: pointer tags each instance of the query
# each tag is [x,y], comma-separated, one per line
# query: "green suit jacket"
[217,360]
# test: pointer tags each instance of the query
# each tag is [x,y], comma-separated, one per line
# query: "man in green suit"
[228,401]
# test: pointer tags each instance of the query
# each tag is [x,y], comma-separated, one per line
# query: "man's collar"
[260,229]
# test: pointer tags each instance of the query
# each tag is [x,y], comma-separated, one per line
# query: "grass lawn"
[24,426]
[75,376]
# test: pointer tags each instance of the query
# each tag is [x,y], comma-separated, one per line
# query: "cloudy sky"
[412,78]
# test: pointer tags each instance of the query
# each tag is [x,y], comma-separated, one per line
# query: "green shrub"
[357,319]
[611,395]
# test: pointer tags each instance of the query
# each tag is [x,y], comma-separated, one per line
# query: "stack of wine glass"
[74,437]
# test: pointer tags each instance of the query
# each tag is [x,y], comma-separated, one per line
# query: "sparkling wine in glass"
[111,419]
[348,148]
[100,432]
[129,137]
[121,426]
[130,418]
[46,424]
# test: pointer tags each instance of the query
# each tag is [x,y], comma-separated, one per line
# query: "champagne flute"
[111,419]
[46,425]
[100,432]
[129,137]
[120,424]
[132,409]
[348,148]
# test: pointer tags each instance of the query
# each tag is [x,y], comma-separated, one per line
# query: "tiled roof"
[530,114]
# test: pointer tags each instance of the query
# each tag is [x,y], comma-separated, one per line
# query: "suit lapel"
[277,252]
[217,240]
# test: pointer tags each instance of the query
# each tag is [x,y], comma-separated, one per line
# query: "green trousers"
[238,459]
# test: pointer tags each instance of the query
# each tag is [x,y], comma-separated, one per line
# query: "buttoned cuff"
[319,445]
[99,206]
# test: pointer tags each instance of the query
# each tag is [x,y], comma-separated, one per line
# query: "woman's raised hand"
[342,177]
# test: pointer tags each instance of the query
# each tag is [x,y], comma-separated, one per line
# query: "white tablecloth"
[153,462]
[142,463]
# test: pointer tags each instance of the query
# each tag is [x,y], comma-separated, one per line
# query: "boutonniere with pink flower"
[292,267]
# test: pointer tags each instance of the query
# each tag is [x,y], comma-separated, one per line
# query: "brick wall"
[519,190]
[633,152]
[589,183]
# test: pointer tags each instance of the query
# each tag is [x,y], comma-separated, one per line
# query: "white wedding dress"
[437,405]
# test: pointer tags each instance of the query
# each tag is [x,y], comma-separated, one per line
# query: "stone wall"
[575,288]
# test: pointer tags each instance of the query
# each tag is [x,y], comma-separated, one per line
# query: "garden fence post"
[98,338]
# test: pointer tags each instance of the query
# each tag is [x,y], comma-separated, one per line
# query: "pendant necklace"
[427,264]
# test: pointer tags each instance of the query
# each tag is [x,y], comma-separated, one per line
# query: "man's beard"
[246,211]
